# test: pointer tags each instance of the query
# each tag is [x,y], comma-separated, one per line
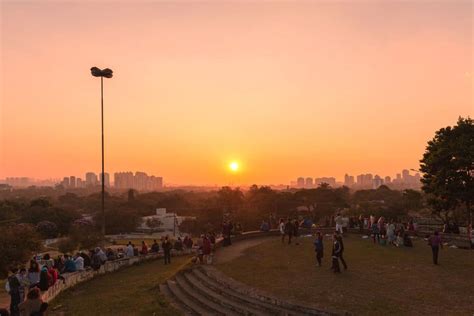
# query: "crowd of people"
[289,228]
[26,285]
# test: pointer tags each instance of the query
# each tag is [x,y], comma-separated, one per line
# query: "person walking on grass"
[435,242]
[341,254]
[296,226]
[166,245]
[339,222]
[289,229]
[12,286]
[319,248]
[336,251]
[375,232]
[281,226]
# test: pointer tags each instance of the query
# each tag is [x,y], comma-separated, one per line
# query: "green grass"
[130,291]
[381,280]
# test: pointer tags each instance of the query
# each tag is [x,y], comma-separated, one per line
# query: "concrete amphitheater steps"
[205,291]
[232,306]
[255,296]
[243,299]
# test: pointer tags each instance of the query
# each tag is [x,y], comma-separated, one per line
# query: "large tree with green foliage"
[448,171]
[17,243]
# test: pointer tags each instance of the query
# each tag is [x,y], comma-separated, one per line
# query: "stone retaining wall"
[71,279]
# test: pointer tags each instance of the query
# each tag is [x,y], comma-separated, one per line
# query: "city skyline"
[283,88]
[93,179]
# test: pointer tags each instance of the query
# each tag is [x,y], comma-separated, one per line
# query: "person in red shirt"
[144,248]
[206,249]
[435,242]
[54,275]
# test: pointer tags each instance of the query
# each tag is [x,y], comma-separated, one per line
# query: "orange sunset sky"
[300,88]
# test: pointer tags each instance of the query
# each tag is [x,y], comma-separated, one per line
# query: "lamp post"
[107,73]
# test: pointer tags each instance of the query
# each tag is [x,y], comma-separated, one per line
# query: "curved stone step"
[224,301]
[173,301]
[182,298]
[213,307]
[243,299]
[227,282]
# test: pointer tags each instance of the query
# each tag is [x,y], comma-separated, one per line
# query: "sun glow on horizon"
[234,166]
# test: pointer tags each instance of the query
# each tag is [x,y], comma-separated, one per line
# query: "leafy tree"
[448,170]
[47,229]
[190,227]
[61,217]
[41,202]
[230,199]
[85,236]
[67,245]
[120,220]
[8,210]
[17,244]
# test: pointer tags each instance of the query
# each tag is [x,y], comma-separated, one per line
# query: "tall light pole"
[107,73]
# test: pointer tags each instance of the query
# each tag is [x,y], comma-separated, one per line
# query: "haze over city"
[283,89]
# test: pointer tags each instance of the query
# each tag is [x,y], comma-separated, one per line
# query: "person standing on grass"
[206,250]
[361,223]
[129,250]
[339,222]
[319,248]
[341,253]
[289,229]
[282,229]
[391,233]
[166,245]
[375,232]
[12,286]
[296,226]
[155,247]
[435,242]
[336,251]
[144,250]
[33,305]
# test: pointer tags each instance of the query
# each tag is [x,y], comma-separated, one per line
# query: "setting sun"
[234,166]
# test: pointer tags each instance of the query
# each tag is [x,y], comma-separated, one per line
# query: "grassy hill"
[380,279]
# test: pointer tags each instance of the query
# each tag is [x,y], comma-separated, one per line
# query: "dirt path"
[227,254]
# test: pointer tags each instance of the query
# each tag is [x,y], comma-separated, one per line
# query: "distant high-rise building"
[140,181]
[348,180]
[406,175]
[309,183]
[18,181]
[388,180]
[376,182]
[417,178]
[91,179]
[300,182]
[365,180]
[79,183]
[123,180]
[65,182]
[72,182]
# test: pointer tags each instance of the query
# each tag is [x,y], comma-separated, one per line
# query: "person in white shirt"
[282,229]
[339,222]
[129,250]
[79,261]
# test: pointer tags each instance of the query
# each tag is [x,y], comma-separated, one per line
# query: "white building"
[162,222]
